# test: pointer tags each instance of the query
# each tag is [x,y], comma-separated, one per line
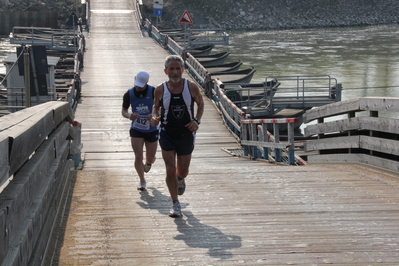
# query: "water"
[364,60]
[5,49]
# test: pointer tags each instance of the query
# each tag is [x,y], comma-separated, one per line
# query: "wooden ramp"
[236,211]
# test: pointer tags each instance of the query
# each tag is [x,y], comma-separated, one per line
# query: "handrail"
[58,39]
[187,38]
[195,68]
[36,170]
[173,47]
[368,137]
[257,142]
[231,113]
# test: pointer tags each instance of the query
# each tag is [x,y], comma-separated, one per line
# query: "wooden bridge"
[236,211]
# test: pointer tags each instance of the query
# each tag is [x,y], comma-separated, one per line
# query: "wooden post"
[320,121]
[291,154]
[373,114]
[277,151]
[27,77]
[253,138]
[265,139]
[32,58]
[243,136]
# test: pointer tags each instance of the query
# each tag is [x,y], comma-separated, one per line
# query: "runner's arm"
[196,93]
[156,109]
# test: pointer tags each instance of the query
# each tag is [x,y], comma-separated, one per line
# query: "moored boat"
[290,99]
[200,50]
[238,76]
[262,100]
[249,93]
[233,66]
[212,60]
[254,98]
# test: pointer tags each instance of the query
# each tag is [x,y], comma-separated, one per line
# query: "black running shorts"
[182,146]
[147,136]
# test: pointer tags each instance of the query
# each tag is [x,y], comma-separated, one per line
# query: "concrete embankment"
[277,14]
[229,14]
[49,14]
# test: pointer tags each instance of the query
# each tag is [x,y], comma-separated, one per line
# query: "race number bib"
[142,122]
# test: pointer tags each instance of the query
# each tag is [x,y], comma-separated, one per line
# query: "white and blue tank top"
[143,107]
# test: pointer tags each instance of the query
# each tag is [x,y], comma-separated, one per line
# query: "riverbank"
[276,14]
[50,14]
[244,14]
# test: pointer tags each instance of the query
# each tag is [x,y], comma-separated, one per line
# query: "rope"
[12,67]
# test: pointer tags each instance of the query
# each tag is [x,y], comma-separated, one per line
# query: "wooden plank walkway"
[236,211]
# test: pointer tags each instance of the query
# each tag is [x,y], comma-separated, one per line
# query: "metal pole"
[27,77]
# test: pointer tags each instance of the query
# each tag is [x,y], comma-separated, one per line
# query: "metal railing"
[231,113]
[253,134]
[57,39]
[188,37]
[173,47]
[197,71]
[198,37]
[297,92]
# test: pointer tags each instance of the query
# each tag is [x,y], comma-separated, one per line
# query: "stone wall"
[244,14]
[43,13]
[276,14]
[27,19]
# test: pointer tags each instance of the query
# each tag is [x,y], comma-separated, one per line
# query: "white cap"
[141,79]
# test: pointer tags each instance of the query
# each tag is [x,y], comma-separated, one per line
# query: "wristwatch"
[198,121]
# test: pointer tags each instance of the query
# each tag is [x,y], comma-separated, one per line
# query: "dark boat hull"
[212,60]
[239,76]
[233,66]
[200,50]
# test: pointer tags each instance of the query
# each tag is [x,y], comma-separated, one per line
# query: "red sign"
[186,18]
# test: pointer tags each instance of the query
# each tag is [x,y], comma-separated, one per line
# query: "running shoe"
[147,167]
[182,186]
[176,210]
[142,185]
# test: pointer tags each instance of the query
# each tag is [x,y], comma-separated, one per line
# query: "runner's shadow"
[155,201]
[200,235]
[194,233]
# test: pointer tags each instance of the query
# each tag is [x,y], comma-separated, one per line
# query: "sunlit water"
[5,49]
[365,60]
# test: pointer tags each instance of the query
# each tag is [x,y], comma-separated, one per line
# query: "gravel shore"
[244,14]
[276,14]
